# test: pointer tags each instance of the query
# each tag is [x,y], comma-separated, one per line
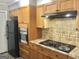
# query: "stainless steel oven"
[24,35]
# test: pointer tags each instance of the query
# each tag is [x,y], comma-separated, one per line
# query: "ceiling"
[5,1]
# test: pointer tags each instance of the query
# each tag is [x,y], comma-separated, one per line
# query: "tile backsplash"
[63,30]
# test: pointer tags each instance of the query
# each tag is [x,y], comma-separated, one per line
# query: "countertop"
[74,53]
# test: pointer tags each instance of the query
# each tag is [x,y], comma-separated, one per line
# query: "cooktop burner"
[58,45]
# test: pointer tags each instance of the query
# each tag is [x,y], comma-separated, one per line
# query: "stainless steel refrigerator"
[13,36]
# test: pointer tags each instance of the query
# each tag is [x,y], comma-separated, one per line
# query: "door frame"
[5,11]
[6,18]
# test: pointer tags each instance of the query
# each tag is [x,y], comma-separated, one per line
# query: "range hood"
[65,14]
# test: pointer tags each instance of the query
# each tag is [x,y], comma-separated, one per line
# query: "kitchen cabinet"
[17,12]
[34,51]
[65,5]
[61,5]
[51,7]
[34,54]
[24,14]
[46,57]
[45,53]
[37,55]
[56,6]
[23,53]
[20,19]
[24,50]
[41,22]
[41,9]
[41,56]
[70,58]
[21,13]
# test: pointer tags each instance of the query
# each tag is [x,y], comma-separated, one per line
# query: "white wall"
[18,3]
[33,2]
[3,6]
[13,6]
[24,2]
[40,2]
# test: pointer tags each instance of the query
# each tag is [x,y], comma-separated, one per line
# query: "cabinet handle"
[56,55]
[57,10]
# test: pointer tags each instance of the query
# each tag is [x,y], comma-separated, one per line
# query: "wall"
[13,6]
[39,2]
[63,30]
[3,6]
[17,4]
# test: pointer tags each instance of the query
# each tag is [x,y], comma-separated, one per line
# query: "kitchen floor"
[7,56]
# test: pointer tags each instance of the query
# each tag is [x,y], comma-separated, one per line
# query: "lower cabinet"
[24,51]
[70,57]
[34,51]
[24,54]
[33,54]
[39,52]
[46,57]
[37,55]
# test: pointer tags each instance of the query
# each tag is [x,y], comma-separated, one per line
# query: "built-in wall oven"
[24,35]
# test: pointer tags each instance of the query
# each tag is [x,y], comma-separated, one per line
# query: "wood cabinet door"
[24,54]
[40,55]
[40,20]
[33,54]
[60,56]
[66,5]
[20,15]
[24,15]
[70,57]
[46,57]
[51,7]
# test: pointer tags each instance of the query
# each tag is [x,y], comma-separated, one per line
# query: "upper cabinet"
[21,13]
[24,13]
[51,7]
[40,20]
[41,23]
[45,8]
[60,5]
[66,5]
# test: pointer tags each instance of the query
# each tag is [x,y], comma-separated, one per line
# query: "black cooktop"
[58,45]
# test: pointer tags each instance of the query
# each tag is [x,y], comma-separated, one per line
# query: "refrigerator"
[13,36]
